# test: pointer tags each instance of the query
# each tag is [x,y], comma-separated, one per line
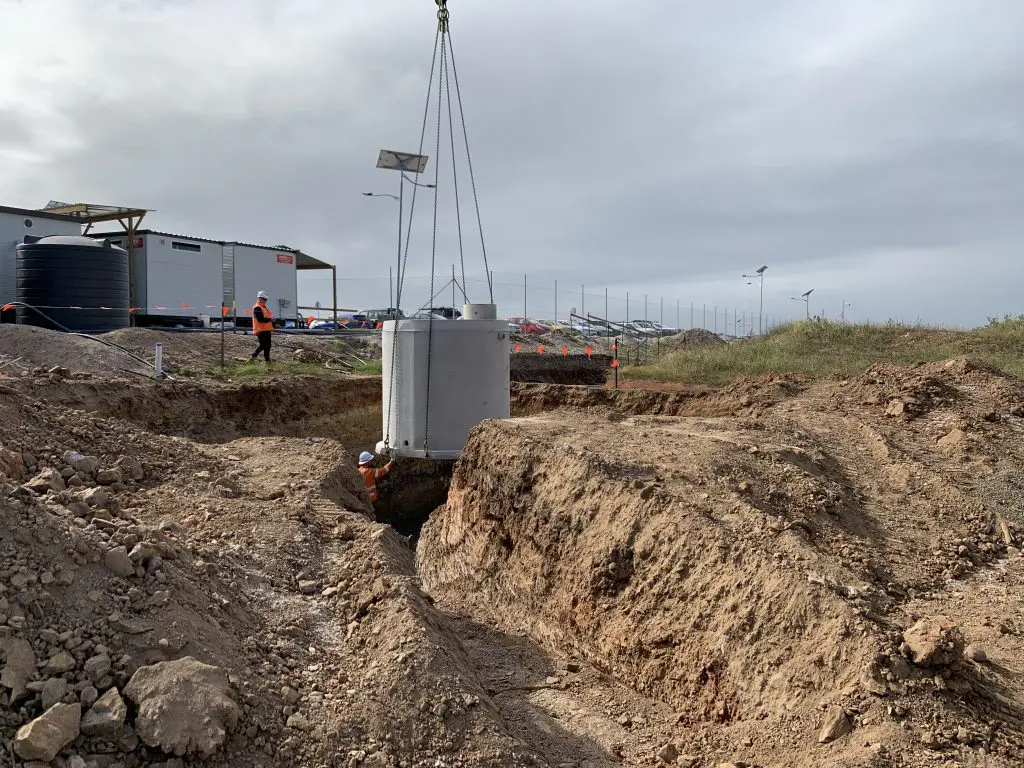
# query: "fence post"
[524,298]
[606,312]
[556,302]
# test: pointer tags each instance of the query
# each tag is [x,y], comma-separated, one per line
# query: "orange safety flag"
[540,349]
[133,309]
[184,305]
[565,351]
[518,347]
[590,351]
[309,320]
[615,363]
[224,311]
[247,311]
[6,307]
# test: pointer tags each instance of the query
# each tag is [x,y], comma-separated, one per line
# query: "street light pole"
[759,276]
[806,299]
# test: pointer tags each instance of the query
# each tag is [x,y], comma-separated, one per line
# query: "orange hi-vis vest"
[370,477]
[259,326]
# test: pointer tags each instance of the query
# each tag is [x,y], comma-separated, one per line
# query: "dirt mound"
[121,549]
[689,339]
[133,350]
[25,347]
[761,572]
[200,352]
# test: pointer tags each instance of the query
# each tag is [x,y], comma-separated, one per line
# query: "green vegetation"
[370,367]
[249,371]
[819,348]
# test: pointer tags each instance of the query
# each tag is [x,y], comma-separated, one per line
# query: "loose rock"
[976,653]
[49,733]
[54,691]
[184,706]
[105,717]
[835,725]
[118,562]
[20,666]
[934,642]
[59,663]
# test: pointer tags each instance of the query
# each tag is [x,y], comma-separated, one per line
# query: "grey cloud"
[644,146]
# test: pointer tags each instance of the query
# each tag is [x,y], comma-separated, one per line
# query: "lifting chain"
[442,15]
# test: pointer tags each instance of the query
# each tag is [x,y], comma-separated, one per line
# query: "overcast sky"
[868,149]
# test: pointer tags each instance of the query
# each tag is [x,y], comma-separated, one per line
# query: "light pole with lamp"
[759,276]
[401,162]
[806,299]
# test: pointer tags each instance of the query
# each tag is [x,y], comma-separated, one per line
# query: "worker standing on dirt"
[262,325]
[372,474]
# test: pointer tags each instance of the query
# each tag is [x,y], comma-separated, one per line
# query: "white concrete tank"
[429,409]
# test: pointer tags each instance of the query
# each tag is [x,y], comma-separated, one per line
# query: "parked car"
[448,313]
[515,328]
[381,315]
[526,326]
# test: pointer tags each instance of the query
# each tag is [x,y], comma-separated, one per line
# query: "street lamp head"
[761,269]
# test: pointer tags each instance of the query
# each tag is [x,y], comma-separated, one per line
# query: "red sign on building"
[285,258]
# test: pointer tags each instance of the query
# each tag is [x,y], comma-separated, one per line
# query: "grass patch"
[249,371]
[370,367]
[818,349]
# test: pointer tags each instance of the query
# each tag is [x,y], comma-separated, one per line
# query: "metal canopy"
[401,161]
[91,213]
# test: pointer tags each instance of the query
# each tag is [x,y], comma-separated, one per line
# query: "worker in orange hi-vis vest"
[262,325]
[372,474]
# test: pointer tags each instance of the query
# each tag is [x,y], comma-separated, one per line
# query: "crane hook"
[442,14]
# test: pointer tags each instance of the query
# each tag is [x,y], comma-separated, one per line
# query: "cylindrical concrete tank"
[78,282]
[441,378]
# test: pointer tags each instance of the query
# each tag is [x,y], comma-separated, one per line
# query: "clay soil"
[633,577]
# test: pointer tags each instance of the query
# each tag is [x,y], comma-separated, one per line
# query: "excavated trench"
[558,540]
[349,411]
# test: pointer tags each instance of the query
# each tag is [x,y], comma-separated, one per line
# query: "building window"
[194,247]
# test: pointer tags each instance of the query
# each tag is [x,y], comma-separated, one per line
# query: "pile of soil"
[822,574]
[230,603]
[779,572]
[690,339]
[24,348]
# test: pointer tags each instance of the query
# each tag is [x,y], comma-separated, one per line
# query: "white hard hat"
[262,295]
[365,457]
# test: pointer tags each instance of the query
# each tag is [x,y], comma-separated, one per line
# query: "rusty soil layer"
[778,573]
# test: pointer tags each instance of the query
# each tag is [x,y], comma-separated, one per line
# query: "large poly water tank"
[468,383]
[78,282]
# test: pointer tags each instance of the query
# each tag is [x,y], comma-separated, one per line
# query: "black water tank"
[58,273]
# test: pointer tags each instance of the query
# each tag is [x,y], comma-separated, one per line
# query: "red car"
[526,326]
